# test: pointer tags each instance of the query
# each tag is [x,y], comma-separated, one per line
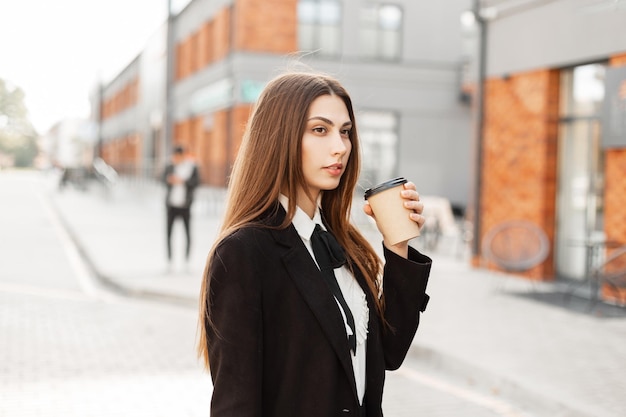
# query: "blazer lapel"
[315,292]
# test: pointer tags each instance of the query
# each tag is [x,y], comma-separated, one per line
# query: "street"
[72,347]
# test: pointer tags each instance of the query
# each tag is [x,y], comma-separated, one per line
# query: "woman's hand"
[411,201]
[174,180]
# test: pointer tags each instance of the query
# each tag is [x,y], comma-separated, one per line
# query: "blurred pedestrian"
[181,177]
[282,336]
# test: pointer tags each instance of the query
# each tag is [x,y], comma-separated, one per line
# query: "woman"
[278,340]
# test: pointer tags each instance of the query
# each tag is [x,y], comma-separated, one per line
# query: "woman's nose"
[338,144]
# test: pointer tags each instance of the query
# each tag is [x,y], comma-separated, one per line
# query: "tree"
[18,138]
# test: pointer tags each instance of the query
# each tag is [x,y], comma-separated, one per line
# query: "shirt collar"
[301,221]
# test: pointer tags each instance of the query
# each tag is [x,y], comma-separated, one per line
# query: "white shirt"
[178,194]
[350,288]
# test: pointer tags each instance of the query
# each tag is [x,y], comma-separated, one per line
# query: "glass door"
[579,220]
[579,208]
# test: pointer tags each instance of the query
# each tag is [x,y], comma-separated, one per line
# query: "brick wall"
[618,60]
[124,98]
[208,44]
[615,184]
[221,45]
[615,198]
[615,195]
[124,154]
[257,26]
[520,155]
[266,26]
[214,140]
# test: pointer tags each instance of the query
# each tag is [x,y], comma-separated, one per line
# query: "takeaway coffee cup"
[391,215]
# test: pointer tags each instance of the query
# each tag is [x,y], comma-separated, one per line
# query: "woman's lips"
[334,169]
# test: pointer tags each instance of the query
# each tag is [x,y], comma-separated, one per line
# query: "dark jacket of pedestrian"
[191,184]
[181,177]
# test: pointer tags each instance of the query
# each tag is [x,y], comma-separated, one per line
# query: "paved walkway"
[485,330]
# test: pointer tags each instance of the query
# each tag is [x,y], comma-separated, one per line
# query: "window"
[380,32]
[585,87]
[319,26]
[580,178]
[378,134]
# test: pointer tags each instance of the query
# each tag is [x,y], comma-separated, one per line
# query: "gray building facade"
[403,62]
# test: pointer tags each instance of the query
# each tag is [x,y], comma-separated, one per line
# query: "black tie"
[329,255]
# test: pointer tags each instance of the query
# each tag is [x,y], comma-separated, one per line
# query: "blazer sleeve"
[234,338]
[404,288]
[194,178]
[166,173]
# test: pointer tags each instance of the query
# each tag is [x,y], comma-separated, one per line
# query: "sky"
[57,51]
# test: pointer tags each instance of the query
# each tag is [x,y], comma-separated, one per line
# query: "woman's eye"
[346,132]
[319,129]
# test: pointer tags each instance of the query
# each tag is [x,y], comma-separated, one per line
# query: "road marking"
[26,289]
[85,278]
[500,407]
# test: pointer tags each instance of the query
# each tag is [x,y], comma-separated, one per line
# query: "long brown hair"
[269,162]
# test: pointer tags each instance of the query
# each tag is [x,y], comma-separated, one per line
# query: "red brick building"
[546,152]
[405,89]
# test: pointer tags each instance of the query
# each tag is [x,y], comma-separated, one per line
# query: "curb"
[110,283]
[465,374]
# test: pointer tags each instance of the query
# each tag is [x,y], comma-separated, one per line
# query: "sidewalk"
[493,332]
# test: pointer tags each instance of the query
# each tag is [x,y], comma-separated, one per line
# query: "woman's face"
[326,144]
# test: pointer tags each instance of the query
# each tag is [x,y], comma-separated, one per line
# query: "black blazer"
[278,345]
